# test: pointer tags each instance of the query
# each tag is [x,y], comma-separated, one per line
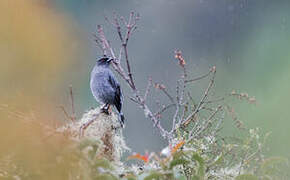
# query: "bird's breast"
[101,88]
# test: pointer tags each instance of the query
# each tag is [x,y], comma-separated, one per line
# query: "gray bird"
[105,87]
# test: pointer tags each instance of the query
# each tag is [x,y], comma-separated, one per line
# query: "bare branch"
[86,125]
[120,55]
[199,78]
[183,107]
[199,106]
[124,42]
[72,103]
[185,110]
[209,120]
[65,113]
[105,42]
[127,60]
[217,128]
[99,43]
[116,63]
[134,100]
[149,85]
[164,109]
[117,25]
[176,109]
[162,87]
[155,121]
[73,116]
[215,100]
[190,97]
[123,20]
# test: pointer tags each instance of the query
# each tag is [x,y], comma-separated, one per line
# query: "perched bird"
[105,87]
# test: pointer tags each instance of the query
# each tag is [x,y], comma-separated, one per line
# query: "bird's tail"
[121,119]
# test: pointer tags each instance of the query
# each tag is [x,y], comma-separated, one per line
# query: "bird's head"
[104,61]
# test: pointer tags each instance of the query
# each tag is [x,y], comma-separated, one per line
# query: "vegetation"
[92,147]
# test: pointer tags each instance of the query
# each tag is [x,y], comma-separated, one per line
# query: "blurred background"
[48,45]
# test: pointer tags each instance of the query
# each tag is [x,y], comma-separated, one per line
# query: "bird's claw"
[105,110]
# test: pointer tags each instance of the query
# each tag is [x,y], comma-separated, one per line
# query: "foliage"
[199,158]
[217,159]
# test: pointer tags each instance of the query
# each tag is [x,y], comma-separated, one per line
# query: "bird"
[106,88]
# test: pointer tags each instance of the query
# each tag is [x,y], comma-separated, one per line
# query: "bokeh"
[48,45]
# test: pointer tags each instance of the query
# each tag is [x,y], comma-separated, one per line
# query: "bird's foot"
[106,109]
[122,125]
[115,128]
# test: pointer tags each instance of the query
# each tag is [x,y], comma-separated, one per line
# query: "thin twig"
[155,121]
[215,100]
[200,104]
[65,113]
[167,94]
[208,121]
[185,110]
[72,103]
[116,63]
[120,55]
[149,85]
[86,125]
[98,43]
[124,42]
[164,109]
[198,78]
[177,108]
[190,97]
[180,99]
[134,100]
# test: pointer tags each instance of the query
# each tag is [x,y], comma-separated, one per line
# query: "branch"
[149,85]
[199,78]
[156,122]
[99,43]
[180,103]
[128,77]
[200,104]
[73,116]
[116,63]
[72,103]
[208,121]
[177,108]
[164,109]
[130,25]
[163,89]
[65,113]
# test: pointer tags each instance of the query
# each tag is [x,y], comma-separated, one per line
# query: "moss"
[100,127]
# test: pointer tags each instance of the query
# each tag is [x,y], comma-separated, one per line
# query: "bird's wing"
[118,92]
